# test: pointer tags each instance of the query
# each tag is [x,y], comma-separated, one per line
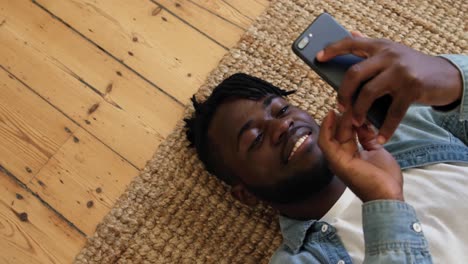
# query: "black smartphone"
[323,31]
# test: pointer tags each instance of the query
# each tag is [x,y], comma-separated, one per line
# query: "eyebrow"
[244,128]
[266,103]
[268,100]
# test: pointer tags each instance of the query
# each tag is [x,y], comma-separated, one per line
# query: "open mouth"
[297,145]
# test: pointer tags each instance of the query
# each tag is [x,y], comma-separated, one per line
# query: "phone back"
[323,31]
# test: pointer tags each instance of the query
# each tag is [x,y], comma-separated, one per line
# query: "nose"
[280,129]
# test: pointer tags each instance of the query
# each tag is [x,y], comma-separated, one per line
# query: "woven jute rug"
[175,212]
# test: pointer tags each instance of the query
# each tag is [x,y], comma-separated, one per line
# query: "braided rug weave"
[175,212]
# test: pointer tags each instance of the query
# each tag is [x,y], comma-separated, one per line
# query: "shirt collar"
[294,231]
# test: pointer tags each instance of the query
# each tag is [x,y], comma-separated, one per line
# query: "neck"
[316,206]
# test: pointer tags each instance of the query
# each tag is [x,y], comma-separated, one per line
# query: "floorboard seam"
[213,13]
[233,7]
[107,53]
[24,186]
[69,118]
[190,25]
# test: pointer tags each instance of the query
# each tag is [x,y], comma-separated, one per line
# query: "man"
[338,202]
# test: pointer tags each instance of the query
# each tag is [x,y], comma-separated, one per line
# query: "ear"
[240,192]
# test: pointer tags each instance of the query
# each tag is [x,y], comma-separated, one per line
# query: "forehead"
[231,115]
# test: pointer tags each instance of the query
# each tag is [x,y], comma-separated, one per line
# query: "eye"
[256,141]
[282,111]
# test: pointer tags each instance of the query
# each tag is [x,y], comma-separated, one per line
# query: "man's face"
[272,147]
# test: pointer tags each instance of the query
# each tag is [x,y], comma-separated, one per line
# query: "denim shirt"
[392,232]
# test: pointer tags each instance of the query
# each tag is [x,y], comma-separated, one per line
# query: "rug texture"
[175,212]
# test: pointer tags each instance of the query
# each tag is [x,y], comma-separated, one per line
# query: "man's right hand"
[391,68]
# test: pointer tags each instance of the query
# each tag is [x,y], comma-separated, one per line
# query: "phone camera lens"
[303,42]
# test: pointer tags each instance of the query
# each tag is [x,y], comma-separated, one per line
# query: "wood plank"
[31,130]
[127,89]
[81,164]
[30,232]
[224,10]
[83,180]
[250,8]
[123,111]
[217,27]
[166,51]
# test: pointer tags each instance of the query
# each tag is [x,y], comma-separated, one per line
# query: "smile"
[297,145]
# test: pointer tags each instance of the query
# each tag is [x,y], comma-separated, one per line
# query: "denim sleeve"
[393,234]
[302,257]
[456,121]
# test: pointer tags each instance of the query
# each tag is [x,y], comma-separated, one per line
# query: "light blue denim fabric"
[424,137]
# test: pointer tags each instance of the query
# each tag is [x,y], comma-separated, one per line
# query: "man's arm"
[455,118]
[393,234]
[460,106]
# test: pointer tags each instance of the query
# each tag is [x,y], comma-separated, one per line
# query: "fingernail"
[320,54]
[381,139]
[341,108]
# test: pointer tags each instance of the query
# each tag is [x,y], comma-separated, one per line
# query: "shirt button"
[417,227]
[340,262]
[324,228]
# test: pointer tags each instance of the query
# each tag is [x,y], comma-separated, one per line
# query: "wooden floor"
[88,90]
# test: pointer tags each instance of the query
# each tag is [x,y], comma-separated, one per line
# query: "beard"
[298,187]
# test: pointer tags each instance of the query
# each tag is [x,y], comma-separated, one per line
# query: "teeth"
[297,145]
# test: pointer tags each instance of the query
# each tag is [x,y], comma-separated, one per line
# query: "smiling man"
[339,203]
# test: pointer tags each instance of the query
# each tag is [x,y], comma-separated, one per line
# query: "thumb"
[357,34]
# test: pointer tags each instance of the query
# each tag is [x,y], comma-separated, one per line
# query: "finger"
[358,34]
[336,154]
[356,75]
[345,131]
[362,47]
[395,114]
[371,91]
[326,139]
[367,137]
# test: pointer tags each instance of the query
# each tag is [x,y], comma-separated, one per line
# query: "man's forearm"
[393,234]
[460,62]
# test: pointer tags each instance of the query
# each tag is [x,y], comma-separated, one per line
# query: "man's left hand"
[372,173]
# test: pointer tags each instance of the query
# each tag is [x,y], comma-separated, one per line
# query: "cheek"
[313,159]
[307,118]
[304,116]
[260,168]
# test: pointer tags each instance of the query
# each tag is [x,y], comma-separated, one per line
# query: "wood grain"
[76,164]
[31,131]
[219,29]
[100,94]
[83,180]
[88,90]
[226,11]
[30,232]
[249,8]
[168,52]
